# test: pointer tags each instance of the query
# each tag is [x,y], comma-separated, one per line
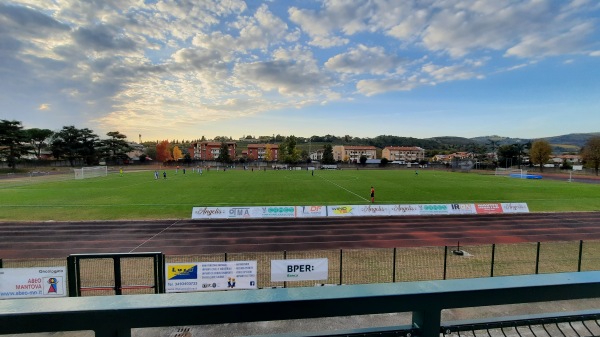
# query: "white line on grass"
[155,235]
[342,187]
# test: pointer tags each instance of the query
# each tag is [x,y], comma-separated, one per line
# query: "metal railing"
[115,316]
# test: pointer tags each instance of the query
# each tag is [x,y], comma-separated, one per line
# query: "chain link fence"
[355,266]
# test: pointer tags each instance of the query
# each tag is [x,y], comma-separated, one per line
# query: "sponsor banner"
[405,210]
[372,210]
[311,211]
[434,209]
[274,212]
[243,212]
[354,210]
[462,209]
[207,276]
[347,210]
[492,208]
[210,212]
[519,207]
[32,282]
[299,270]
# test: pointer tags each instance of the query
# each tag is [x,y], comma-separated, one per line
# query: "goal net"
[91,172]
[515,173]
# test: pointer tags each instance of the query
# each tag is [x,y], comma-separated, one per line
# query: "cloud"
[29,21]
[145,62]
[103,38]
[44,106]
[372,87]
[363,59]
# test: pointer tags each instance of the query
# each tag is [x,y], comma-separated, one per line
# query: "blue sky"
[187,69]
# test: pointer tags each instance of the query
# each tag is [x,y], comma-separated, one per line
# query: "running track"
[184,237]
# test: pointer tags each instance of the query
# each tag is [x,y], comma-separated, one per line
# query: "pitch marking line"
[342,187]
[155,235]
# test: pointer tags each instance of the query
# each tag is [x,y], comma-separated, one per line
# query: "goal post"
[91,172]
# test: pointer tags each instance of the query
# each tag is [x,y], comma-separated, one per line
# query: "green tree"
[362,159]
[291,154]
[328,155]
[72,143]
[13,141]
[116,147]
[38,138]
[507,155]
[540,153]
[591,153]
[224,156]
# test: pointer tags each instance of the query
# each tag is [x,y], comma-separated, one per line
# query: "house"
[211,150]
[261,151]
[316,155]
[403,153]
[352,154]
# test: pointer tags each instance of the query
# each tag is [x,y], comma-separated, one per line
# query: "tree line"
[69,143]
[73,144]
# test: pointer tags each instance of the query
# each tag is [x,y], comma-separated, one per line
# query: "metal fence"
[352,266]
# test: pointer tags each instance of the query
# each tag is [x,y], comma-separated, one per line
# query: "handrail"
[117,315]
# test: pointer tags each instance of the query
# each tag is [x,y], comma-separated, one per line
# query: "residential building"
[211,150]
[259,152]
[403,153]
[316,155]
[352,154]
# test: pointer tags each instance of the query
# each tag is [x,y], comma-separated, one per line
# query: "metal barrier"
[115,316]
[75,278]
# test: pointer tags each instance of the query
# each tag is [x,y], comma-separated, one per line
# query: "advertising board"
[32,282]
[208,276]
[299,270]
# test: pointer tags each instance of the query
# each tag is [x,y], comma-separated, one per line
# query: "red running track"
[184,237]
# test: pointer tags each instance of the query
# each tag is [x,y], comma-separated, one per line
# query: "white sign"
[244,212]
[462,209]
[372,210]
[311,211]
[206,276]
[32,282]
[519,207]
[299,270]
[342,210]
[404,210]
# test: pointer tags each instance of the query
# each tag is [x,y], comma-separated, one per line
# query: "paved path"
[184,237]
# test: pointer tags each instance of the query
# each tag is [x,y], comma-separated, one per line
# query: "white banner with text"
[207,276]
[32,282]
[263,212]
[299,270]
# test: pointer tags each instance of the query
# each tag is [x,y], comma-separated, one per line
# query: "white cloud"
[378,86]
[364,60]
[448,73]
[44,106]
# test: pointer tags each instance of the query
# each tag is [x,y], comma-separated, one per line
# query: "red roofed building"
[211,150]
[260,152]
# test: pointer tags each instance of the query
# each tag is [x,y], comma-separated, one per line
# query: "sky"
[410,68]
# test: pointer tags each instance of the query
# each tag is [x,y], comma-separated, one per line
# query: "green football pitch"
[138,195]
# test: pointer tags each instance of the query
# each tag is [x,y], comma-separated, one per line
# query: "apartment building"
[259,152]
[403,153]
[211,150]
[352,154]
